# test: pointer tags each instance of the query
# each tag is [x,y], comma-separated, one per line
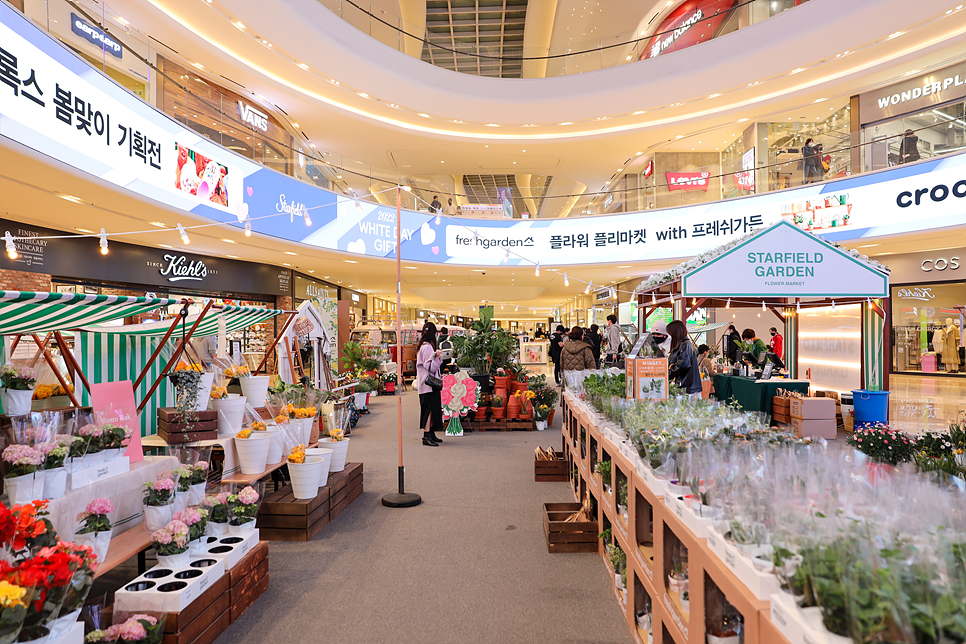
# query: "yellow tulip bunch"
[297,455]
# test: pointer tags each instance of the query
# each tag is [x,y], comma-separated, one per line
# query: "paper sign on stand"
[113,403]
[647,378]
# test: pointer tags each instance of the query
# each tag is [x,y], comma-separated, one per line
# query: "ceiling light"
[295,124]
[349,261]
[587,290]
[303,66]
[492,125]
[285,264]
[566,123]
[228,241]
[158,224]
[288,252]
[239,24]
[894,34]
[198,65]
[566,280]
[11,247]
[363,95]
[742,120]
[424,115]
[333,81]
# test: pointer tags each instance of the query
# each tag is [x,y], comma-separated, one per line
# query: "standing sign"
[785,261]
[647,378]
[113,403]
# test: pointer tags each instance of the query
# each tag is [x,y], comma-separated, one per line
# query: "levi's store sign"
[688,180]
[691,23]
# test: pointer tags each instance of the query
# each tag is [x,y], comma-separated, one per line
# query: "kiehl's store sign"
[917,94]
[80,258]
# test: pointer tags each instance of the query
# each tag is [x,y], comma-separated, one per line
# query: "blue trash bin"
[870,407]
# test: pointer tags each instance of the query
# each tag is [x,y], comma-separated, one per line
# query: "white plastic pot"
[253,452]
[157,516]
[113,454]
[16,402]
[99,542]
[255,389]
[96,458]
[339,452]
[242,530]
[278,444]
[307,430]
[541,425]
[305,477]
[326,456]
[231,414]
[196,493]
[24,489]
[61,626]
[360,400]
[204,391]
[55,483]
[216,529]
[175,561]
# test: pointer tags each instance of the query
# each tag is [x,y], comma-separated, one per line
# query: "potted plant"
[526,403]
[496,405]
[171,544]
[541,413]
[603,470]
[197,521]
[544,394]
[252,448]
[112,440]
[486,350]
[242,508]
[55,472]
[306,471]
[352,356]
[16,389]
[158,503]
[217,507]
[198,481]
[96,529]
[21,481]
[622,499]
[138,629]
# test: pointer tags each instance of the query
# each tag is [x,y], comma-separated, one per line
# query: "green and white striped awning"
[27,312]
[236,318]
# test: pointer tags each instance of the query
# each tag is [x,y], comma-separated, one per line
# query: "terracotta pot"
[512,407]
[519,386]
[501,382]
[498,412]
[550,417]
[526,412]
[500,392]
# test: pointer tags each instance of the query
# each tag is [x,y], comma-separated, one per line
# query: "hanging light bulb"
[506,256]
[307,218]
[728,305]
[358,204]
[501,306]
[798,307]
[763,305]
[537,271]
[694,301]
[103,236]
[653,297]
[833,305]
[438,219]
[517,309]
[566,280]
[184,235]
[248,227]
[11,247]
[587,290]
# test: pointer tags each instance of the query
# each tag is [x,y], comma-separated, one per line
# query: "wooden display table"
[124,546]
[282,517]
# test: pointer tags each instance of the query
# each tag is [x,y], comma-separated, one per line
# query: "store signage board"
[95,36]
[649,379]
[688,181]
[113,402]
[914,95]
[148,153]
[928,266]
[690,23]
[248,114]
[785,261]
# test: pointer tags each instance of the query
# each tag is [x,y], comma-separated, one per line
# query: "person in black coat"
[731,342]
[555,341]
[593,337]
[909,147]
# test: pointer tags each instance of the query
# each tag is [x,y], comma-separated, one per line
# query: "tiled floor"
[919,403]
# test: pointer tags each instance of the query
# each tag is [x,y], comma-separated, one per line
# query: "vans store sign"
[248,114]
[914,95]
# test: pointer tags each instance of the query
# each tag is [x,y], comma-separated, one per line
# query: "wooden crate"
[178,438]
[170,415]
[282,517]
[577,536]
[517,425]
[546,471]
[346,487]
[203,620]
[248,580]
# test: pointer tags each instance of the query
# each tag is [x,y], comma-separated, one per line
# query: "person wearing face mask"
[661,340]
[777,343]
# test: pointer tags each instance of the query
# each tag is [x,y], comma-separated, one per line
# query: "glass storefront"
[933,132]
[927,328]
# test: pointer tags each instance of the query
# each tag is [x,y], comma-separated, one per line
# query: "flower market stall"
[308,329]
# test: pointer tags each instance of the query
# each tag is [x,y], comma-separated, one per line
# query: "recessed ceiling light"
[232,256]
[158,224]
[349,261]
[424,115]
[228,241]
[303,66]
[289,252]
[363,95]
[198,65]
[412,268]
[284,264]
[84,230]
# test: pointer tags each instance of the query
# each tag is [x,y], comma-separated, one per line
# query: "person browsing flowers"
[428,362]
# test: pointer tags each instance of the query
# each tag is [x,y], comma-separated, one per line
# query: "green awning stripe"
[27,312]
[236,318]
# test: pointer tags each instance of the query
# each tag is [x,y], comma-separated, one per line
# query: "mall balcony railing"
[186,95]
[480,52]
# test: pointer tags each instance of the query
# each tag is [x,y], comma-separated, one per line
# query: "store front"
[918,118]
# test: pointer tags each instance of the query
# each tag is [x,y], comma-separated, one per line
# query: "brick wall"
[21,281]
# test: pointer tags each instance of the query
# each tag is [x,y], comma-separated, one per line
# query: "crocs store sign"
[126,143]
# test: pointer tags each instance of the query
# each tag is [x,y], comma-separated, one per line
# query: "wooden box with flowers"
[177,426]
[282,517]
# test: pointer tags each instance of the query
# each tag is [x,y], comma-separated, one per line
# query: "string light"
[566,280]
[728,305]
[536,272]
[501,306]
[308,219]
[654,298]
[587,290]
[359,207]
[517,309]
[763,305]
[11,247]
[438,219]
[798,307]
[833,305]
[248,227]
[506,256]
[694,301]
[184,235]
[103,242]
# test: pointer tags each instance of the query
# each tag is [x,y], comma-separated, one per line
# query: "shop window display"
[934,132]
[927,328]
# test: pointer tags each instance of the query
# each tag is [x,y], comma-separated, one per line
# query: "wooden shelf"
[123,547]
[247,479]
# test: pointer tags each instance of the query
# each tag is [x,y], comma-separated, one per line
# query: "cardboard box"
[813,408]
[814,428]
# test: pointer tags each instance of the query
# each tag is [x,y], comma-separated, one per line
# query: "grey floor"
[468,565]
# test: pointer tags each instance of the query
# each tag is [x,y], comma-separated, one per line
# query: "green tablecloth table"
[751,394]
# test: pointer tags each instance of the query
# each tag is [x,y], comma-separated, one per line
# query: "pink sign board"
[113,403]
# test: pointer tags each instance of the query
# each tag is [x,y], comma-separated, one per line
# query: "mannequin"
[938,338]
[951,346]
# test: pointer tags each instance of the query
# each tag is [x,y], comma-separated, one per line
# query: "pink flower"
[469,400]
[445,397]
[22,455]
[163,485]
[112,633]
[162,536]
[147,618]
[222,498]
[132,631]
[179,532]
[449,380]
[202,465]
[99,506]
[188,516]
[248,496]
[470,384]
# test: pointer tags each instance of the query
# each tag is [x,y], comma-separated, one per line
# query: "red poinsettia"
[8,525]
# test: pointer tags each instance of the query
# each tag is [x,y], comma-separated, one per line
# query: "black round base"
[401,500]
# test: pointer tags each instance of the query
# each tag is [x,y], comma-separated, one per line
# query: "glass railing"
[487,51]
[188,94]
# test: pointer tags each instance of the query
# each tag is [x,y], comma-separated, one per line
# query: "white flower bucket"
[196,493]
[231,414]
[55,482]
[61,626]
[204,391]
[305,477]
[307,430]
[339,451]
[16,402]
[242,530]
[360,400]
[96,458]
[253,452]
[157,516]
[734,639]
[326,455]
[216,529]
[99,542]
[541,425]
[278,443]
[255,389]
[24,489]
[196,547]
[175,561]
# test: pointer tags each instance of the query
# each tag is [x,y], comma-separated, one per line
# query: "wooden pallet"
[282,517]
[547,471]
[563,536]
[248,580]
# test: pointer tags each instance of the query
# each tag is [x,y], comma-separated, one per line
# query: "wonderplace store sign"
[126,142]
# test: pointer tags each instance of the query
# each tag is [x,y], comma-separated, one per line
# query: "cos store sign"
[940,264]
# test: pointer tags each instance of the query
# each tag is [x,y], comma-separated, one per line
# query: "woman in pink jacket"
[430,405]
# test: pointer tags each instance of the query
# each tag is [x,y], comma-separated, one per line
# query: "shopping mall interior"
[313,189]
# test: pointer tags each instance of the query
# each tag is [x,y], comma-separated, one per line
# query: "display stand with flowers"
[459,396]
[23,478]
[242,509]
[16,389]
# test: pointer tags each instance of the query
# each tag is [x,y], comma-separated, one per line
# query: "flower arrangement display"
[219,393]
[238,371]
[197,475]
[882,444]
[138,629]
[297,455]
[45,391]
[259,426]
[17,378]
[242,509]
[158,502]
[245,432]
[189,366]
[171,544]
[217,507]
[525,396]
[196,519]
[459,396]
[23,480]
[26,528]
[338,434]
